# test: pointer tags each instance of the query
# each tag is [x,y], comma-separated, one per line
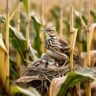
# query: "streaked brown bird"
[56,47]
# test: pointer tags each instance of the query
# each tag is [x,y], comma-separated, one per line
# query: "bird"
[56,47]
[49,62]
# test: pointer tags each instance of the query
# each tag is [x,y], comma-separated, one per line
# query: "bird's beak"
[42,30]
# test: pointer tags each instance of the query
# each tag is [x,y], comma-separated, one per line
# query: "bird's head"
[50,31]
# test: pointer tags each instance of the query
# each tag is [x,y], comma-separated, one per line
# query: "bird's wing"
[62,41]
[63,45]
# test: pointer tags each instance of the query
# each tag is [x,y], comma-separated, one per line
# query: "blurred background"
[47,4]
[27,18]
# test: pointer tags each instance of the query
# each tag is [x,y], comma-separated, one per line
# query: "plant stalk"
[80,41]
[27,35]
[3,53]
[7,67]
[18,60]
[88,85]
[71,38]
[81,30]
[61,20]
[42,35]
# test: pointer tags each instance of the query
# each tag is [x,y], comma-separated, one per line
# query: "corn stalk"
[18,60]
[3,53]
[42,33]
[71,38]
[27,37]
[61,20]
[88,85]
[89,41]
[81,31]
[73,35]
[27,33]
[7,45]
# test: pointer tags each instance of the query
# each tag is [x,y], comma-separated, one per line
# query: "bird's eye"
[49,30]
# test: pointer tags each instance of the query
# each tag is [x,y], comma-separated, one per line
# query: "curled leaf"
[29,91]
[2,46]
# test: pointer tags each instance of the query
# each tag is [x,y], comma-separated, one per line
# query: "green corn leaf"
[26,5]
[19,43]
[74,78]
[36,26]
[13,71]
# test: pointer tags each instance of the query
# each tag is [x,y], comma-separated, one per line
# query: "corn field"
[47,48]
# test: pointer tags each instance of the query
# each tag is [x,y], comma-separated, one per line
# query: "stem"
[61,20]
[27,35]
[2,67]
[88,86]
[78,87]
[88,48]
[81,31]
[42,33]
[18,60]
[71,39]
[80,41]
[94,36]
[7,46]
[80,44]
[42,11]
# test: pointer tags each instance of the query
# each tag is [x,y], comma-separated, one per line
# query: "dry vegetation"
[26,69]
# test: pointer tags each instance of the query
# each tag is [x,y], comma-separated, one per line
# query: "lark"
[55,46]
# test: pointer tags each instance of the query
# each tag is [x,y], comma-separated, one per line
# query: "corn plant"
[22,42]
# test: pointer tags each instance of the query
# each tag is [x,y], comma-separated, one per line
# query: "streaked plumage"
[57,47]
